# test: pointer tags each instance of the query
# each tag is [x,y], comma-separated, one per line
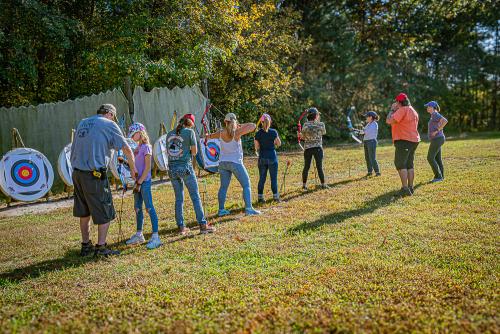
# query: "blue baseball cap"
[313,110]
[372,114]
[433,104]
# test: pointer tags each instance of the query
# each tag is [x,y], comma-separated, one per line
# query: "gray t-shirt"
[179,147]
[94,138]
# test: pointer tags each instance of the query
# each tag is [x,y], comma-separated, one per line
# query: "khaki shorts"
[92,198]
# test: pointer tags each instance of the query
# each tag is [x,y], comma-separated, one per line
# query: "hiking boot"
[206,229]
[102,250]
[224,212]
[87,248]
[135,239]
[184,230]
[154,242]
[252,212]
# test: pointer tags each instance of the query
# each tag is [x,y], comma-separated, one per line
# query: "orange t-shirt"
[405,125]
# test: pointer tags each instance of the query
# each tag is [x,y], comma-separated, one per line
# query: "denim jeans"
[371,155]
[180,176]
[264,166]
[226,170]
[434,157]
[145,196]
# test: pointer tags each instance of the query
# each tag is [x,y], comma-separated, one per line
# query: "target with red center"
[25,174]
[212,151]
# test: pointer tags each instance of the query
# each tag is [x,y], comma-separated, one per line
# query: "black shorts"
[92,198]
[405,154]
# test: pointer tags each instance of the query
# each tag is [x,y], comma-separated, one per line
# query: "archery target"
[210,152]
[25,174]
[64,167]
[120,171]
[160,153]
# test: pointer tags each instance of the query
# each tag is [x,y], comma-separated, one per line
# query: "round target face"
[212,152]
[25,173]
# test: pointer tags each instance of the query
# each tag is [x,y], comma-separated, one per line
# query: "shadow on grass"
[337,218]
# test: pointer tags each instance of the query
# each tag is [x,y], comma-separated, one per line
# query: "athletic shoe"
[261,201]
[87,248]
[224,212]
[206,229]
[154,242]
[369,174]
[304,188]
[377,174]
[184,230]
[325,186]
[277,199]
[135,239]
[405,191]
[411,189]
[102,250]
[252,212]
[436,179]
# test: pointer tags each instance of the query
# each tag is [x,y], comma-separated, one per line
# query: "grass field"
[353,258]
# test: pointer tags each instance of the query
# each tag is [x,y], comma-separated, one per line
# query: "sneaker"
[184,230]
[87,248]
[277,199]
[135,239]
[325,186]
[411,189]
[261,201]
[304,188]
[224,212]
[252,212]
[206,229]
[369,174]
[102,250]
[377,174]
[405,192]
[436,179]
[154,242]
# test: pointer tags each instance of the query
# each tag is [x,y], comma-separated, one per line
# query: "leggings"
[317,153]
[434,157]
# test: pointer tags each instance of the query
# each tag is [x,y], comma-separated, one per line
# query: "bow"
[353,131]
[204,122]
[299,129]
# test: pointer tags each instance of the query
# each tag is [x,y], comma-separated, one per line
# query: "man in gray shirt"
[90,154]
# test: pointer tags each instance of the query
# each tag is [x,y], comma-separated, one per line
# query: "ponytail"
[184,122]
[266,124]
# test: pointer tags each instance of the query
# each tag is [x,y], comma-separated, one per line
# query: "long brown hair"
[184,122]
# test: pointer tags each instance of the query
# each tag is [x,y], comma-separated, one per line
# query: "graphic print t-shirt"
[179,147]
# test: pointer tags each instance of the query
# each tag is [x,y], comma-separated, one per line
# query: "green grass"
[349,259]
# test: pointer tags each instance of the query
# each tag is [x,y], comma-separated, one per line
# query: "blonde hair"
[231,127]
[144,138]
[266,124]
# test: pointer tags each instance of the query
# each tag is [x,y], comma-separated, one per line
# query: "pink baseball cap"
[189,116]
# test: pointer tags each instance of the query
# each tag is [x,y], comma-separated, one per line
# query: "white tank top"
[231,151]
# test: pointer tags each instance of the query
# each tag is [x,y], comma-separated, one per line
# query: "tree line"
[275,56]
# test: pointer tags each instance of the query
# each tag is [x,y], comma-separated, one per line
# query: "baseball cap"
[230,117]
[433,104]
[313,110]
[401,97]
[107,108]
[264,117]
[189,116]
[372,114]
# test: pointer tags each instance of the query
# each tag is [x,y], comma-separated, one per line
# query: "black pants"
[404,154]
[371,156]
[317,153]
[434,157]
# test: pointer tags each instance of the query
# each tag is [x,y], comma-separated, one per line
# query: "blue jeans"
[180,175]
[145,196]
[264,166]
[226,170]
[371,155]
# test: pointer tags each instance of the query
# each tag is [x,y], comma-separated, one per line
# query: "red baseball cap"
[189,116]
[401,97]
